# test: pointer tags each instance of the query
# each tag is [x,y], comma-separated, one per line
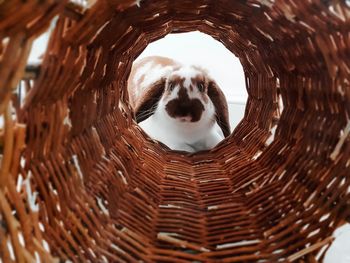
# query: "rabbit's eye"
[201,87]
[171,86]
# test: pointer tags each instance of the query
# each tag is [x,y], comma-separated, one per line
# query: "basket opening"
[199,49]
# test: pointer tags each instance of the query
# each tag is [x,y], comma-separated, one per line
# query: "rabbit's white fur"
[178,132]
[181,136]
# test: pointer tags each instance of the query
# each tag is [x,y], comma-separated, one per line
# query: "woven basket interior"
[97,188]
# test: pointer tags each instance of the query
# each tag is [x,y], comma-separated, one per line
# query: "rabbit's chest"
[179,136]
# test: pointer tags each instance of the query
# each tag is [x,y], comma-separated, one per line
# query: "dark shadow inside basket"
[249,199]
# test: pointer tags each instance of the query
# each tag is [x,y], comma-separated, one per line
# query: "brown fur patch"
[135,92]
[201,79]
[176,80]
[183,106]
[217,97]
[148,103]
[221,108]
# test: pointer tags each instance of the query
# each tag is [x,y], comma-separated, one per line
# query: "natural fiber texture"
[97,189]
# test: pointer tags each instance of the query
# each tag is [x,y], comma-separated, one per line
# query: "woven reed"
[107,193]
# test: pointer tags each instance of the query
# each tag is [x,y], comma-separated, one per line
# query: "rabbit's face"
[172,93]
[185,96]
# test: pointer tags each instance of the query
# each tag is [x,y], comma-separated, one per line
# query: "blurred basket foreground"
[80,181]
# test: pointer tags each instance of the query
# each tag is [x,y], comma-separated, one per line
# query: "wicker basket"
[80,181]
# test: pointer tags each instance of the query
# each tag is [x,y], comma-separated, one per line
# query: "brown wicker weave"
[105,192]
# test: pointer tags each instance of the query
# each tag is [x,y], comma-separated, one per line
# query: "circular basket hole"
[199,49]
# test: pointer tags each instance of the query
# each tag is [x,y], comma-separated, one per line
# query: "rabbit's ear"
[221,108]
[147,104]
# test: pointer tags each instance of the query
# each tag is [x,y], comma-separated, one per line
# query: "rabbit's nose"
[183,109]
[185,104]
[178,108]
[185,118]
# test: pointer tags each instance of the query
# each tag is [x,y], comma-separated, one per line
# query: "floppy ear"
[148,102]
[221,108]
